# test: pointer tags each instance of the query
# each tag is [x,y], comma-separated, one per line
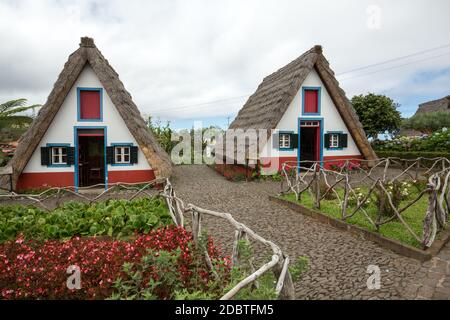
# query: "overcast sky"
[176,57]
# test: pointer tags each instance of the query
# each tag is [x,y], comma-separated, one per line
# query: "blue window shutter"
[276,140]
[294,140]
[134,154]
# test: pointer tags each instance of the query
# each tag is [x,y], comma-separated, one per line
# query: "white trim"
[120,154]
[58,154]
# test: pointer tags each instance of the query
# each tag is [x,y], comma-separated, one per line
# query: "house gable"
[331,119]
[61,129]
[88,54]
[267,106]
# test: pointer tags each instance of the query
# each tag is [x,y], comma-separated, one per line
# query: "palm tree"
[9,111]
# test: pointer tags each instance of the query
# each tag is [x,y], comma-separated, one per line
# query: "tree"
[163,133]
[428,122]
[12,123]
[378,114]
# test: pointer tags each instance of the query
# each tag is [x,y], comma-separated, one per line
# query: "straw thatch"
[442,104]
[88,53]
[265,108]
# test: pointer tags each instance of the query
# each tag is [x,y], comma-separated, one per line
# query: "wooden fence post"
[285,285]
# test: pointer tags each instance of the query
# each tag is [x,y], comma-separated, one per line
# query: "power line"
[202,103]
[394,59]
[397,66]
[207,103]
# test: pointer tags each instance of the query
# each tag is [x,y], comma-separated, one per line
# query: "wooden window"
[310,123]
[311,101]
[285,141]
[90,104]
[59,155]
[122,155]
[334,140]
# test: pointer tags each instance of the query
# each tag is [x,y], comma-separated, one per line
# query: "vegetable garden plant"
[124,249]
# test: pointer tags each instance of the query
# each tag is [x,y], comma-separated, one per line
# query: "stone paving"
[432,279]
[338,260]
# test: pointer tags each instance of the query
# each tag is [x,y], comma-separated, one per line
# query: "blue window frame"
[100,90]
[282,136]
[58,158]
[319,91]
[120,158]
[334,142]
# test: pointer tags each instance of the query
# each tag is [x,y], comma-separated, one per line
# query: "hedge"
[414,155]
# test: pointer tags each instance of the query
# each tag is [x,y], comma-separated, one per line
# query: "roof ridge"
[315,49]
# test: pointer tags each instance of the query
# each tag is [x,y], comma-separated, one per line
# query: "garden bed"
[123,250]
[392,236]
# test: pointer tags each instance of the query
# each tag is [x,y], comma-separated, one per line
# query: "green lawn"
[413,216]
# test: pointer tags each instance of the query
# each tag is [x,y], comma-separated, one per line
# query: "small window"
[59,155]
[285,140]
[122,155]
[334,140]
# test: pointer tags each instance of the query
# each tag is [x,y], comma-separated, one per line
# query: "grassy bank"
[413,216]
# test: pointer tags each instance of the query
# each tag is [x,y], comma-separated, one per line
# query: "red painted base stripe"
[131,176]
[41,180]
[277,162]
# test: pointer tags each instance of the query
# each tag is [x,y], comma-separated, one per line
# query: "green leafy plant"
[116,218]
[298,267]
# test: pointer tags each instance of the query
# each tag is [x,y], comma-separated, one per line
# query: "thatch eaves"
[88,54]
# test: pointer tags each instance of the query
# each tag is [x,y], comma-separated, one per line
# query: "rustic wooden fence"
[319,180]
[52,198]
[279,263]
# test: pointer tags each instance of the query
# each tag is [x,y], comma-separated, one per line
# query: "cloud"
[172,54]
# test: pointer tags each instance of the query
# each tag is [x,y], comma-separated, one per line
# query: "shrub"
[37,270]
[428,121]
[398,191]
[437,141]
[343,166]
[119,218]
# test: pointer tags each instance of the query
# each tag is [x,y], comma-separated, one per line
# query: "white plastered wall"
[61,129]
[332,121]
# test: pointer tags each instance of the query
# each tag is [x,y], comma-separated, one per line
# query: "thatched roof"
[442,104]
[88,53]
[265,108]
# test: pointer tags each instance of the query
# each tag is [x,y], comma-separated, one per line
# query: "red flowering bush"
[38,270]
[344,166]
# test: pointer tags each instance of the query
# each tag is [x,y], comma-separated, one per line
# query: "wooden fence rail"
[352,173]
[178,209]
[278,264]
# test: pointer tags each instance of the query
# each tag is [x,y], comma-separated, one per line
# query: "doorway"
[309,150]
[91,157]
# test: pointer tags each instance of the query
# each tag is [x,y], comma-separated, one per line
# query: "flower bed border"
[390,244]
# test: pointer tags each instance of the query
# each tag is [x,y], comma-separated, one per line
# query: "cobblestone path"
[432,279]
[338,260]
